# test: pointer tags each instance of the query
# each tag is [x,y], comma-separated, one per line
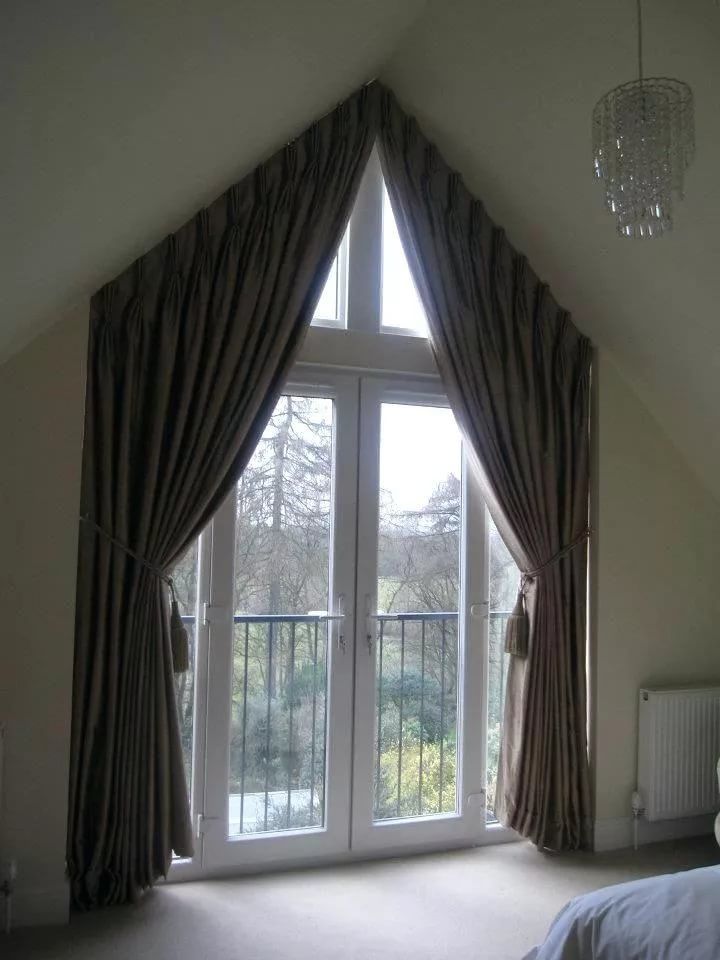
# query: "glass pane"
[401,304]
[185,582]
[327,306]
[417,636]
[504,583]
[282,568]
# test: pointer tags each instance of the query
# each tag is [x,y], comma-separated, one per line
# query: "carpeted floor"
[488,903]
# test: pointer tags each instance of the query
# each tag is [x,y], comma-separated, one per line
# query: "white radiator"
[678,751]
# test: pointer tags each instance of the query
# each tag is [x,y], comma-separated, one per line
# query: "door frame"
[349,833]
[190,868]
[218,851]
[467,824]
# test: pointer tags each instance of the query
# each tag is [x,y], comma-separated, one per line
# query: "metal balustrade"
[416,714]
[415,764]
[281,776]
[279,718]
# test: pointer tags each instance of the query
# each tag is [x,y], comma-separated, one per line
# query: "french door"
[421,615]
[348,605]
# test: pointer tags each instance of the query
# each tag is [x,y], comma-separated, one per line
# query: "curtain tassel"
[178,637]
[517,631]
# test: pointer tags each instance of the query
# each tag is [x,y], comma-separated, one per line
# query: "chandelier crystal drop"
[643,142]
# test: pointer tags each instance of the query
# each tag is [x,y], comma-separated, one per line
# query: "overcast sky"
[419,448]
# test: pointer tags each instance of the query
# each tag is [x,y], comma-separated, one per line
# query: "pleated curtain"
[517,374]
[188,352]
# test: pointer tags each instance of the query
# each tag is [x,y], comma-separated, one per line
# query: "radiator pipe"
[637,811]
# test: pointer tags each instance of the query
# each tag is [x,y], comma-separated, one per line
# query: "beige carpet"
[488,903]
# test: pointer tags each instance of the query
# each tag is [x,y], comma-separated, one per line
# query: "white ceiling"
[120,118]
[507,88]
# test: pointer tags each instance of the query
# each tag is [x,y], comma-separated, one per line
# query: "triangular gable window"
[370,286]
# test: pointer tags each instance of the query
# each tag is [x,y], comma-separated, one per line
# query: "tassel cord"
[178,633]
[156,571]
[527,575]
[517,631]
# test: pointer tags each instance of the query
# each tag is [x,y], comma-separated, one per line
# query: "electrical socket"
[8,873]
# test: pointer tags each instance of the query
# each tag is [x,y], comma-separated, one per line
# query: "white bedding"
[673,917]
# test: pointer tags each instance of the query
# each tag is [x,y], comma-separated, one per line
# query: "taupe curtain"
[188,351]
[517,374]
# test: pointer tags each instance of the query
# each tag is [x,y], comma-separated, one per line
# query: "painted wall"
[508,95]
[507,90]
[125,116]
[657,550]
[41,415]
[657,600]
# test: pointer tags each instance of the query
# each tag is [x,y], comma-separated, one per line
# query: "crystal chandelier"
[643,142]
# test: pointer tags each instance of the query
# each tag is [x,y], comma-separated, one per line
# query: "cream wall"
[123,117]
[655,603]
[656,597]
[507,90]
[41,414]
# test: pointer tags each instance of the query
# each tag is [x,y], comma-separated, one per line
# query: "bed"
[672,917]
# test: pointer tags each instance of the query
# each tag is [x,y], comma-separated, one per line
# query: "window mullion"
[365,259]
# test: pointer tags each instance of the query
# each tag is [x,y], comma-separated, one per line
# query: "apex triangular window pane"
[401,305]
[331,309]
[372,263]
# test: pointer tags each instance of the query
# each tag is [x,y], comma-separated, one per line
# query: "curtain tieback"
[178,633]
[555,558]
[517,631]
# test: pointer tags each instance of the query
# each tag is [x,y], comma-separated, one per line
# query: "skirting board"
[616,834]
[40,906]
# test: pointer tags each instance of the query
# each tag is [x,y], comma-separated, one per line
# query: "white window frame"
[254,851]
[360,264]
[335,353]
[340,320]
[467,824]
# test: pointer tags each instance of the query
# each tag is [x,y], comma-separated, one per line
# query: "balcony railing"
[279,717]
[416,714]
[415,762]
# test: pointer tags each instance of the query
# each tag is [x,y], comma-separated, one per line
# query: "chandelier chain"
[639,40]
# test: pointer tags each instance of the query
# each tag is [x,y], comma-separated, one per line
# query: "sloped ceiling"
[506,88]
[120,118]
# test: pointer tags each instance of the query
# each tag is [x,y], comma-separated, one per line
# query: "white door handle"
[480,609]
[369,623]
[322,616]
[341,622]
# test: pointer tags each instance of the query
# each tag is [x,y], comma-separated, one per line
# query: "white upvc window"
[370,288]
[347,603]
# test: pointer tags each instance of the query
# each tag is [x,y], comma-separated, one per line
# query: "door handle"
[322,616]
[369,623]
[480,609]
[340,615]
